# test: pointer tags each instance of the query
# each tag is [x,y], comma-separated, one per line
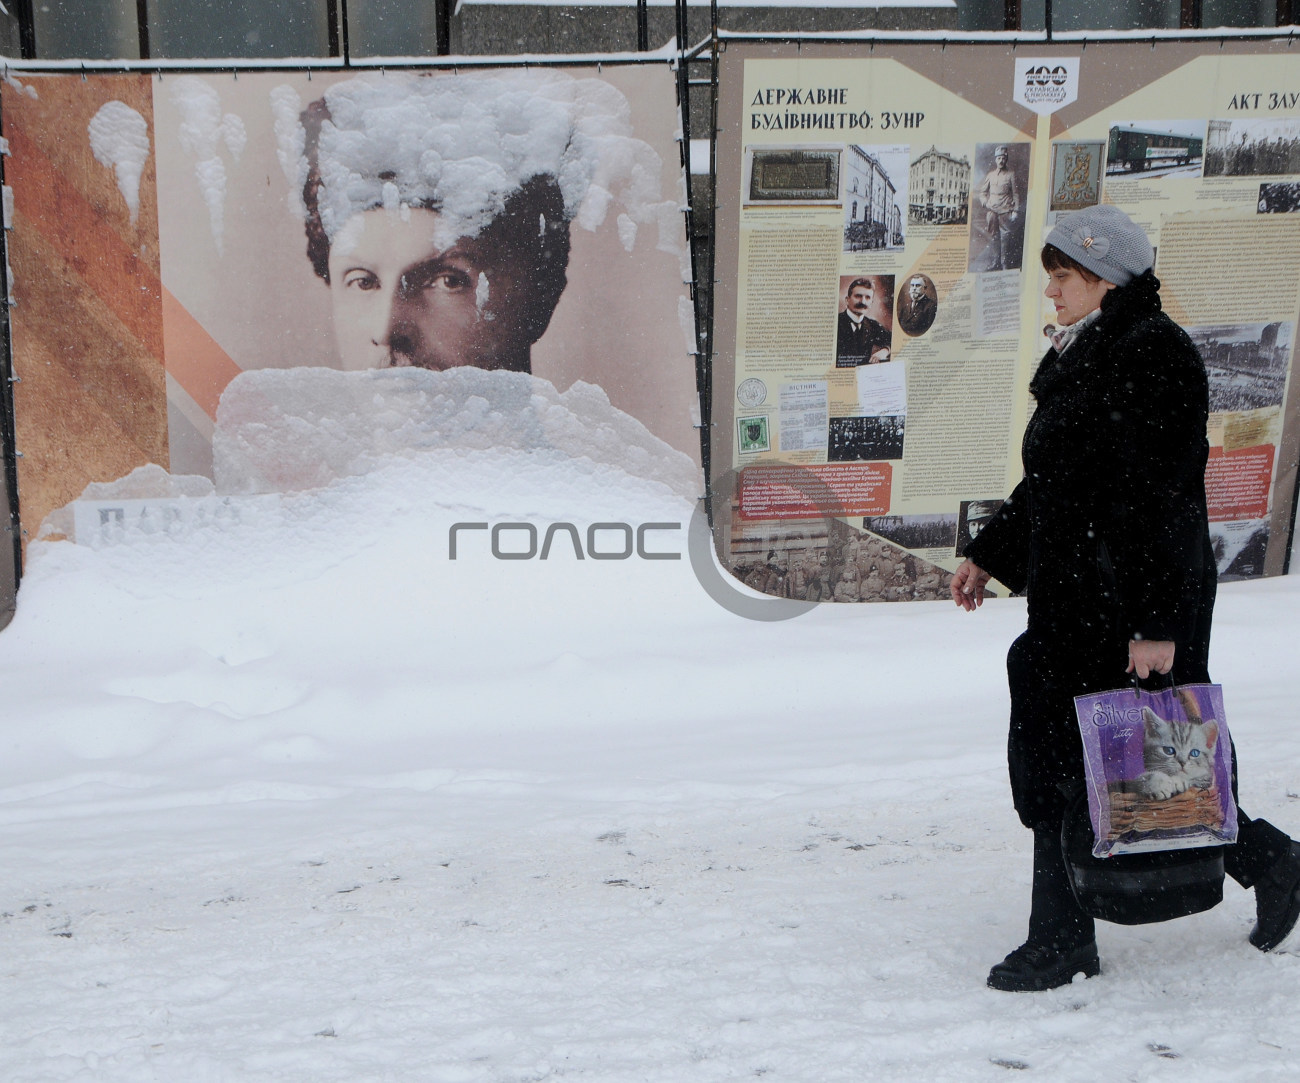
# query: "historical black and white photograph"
[1239,549]
[938,186]
[1156,148]
[784,562]
[1280,198]
[1252,148]
[864,328]
[915,531]
[875,193]
[868,568]
[866,439]
[918,304]
[972,515]
[997,235]
[1246,363]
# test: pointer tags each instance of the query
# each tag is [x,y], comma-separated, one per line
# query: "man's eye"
[451,281]
[360,280]
[441,280]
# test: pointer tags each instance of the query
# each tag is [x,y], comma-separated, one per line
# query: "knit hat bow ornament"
[1095,245]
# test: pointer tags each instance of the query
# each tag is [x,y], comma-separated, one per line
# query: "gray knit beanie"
[1106,241]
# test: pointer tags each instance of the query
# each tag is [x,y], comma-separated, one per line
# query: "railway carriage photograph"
[1156,148]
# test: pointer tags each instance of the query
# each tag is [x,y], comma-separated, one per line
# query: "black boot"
[1277,901]
[1034,967]
[1062,938]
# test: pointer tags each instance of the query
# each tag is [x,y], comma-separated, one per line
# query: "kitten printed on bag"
[1159,769]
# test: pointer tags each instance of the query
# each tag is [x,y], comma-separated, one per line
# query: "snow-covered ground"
[294,796]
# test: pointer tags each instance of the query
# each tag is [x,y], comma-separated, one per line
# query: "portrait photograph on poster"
[301,275]
[864,328]
[938,186]
[997,235]
[917,305]
[875,192]
[972,515]
[1252,147]
[1156,148]
[502,220]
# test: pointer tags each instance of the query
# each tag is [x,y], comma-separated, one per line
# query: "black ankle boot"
[1277,901]
[1034,967]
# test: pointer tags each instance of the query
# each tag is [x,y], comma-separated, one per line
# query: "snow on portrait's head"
[438,208]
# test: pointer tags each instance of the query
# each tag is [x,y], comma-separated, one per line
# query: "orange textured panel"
[87,321]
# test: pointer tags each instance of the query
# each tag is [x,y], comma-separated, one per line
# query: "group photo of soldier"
[1246,363]
[841,565]
[1249,148]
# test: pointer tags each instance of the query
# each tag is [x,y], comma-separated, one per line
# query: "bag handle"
[1191,709]
[1137,687]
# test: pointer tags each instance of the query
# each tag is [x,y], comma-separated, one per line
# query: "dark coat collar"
[1121,308]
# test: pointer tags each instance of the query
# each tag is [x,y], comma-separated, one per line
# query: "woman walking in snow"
[1108,536]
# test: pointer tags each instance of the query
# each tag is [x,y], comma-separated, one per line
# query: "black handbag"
[1136,889]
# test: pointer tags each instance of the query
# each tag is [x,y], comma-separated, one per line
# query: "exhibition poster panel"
[881,312]
[269,282]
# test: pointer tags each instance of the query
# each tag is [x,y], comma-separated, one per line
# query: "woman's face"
[1073,295]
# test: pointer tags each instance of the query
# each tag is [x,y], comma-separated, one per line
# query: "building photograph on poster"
[875,193]
[1156,148]
[864,328]
[997,235]
[938,186]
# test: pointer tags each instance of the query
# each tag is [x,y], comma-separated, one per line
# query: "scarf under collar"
[1063,339]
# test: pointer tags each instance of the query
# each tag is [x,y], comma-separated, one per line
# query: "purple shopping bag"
[1159,769]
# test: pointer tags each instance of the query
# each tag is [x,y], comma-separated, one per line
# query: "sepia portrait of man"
[864,333]
[411,285]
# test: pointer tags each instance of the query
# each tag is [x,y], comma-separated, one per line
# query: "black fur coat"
[1107,533]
